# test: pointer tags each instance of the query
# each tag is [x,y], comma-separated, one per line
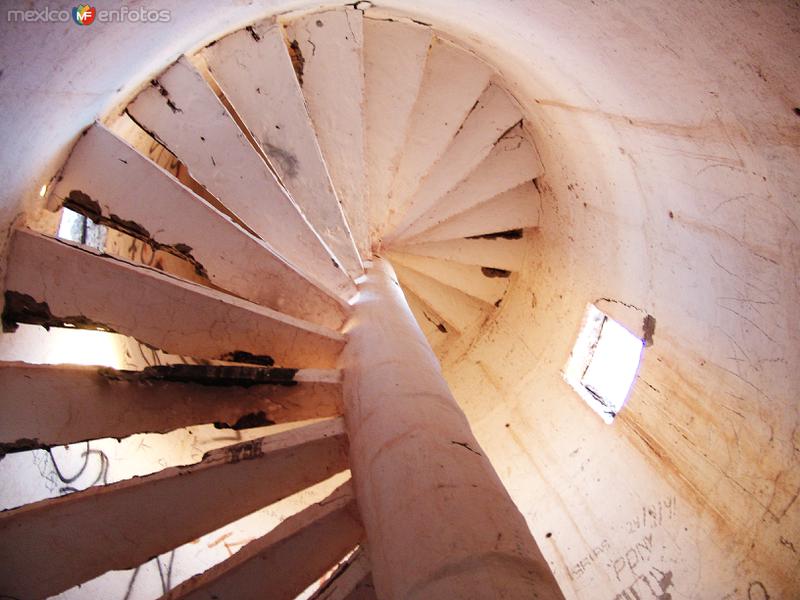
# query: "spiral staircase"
[266,175]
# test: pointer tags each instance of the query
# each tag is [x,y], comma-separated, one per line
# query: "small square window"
[603,363]
[79,228]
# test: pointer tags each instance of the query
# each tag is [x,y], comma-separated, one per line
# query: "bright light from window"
[603,363]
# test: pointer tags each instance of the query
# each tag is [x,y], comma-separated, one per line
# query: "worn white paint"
[136,519]
[516,208]
[495,253]
[288,559]
[394,62]
[200,131]
[159,310]
[331,44]
[467,278]
[123,183]
[704,131]
[455,307]
[452,82]
[438,523]
[57,405]
[494,113]
[512,161]
[257,77]
[427,319]
[351,580]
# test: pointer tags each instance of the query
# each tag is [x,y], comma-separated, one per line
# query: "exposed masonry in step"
[22,308]
[492,272]
[511,234]
[253,33]
[163,91]
[242,356]
[298,62]
[240,452]
[210,375]
[22,445]
[248,421]
[439,325]
[82,203]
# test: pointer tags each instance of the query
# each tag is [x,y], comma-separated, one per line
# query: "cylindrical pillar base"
[439,523]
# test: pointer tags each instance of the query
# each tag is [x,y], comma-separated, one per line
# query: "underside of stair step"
[106,180]
[455,307]
[53,405]
[254,70]
[452,82]
[517,208]
[288,559]
[331,45]
[499,255]
[466,278]
[185,501]
[53,283]
[512,161]
[182,111]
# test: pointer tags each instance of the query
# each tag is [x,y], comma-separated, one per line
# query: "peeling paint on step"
[210,375]
[82,203]
[253,33]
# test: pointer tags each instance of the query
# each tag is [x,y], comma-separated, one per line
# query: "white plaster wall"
[670,145]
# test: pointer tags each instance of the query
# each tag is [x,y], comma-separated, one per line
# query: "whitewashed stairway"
[262,172]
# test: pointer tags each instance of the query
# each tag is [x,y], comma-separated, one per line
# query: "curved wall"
[670,143]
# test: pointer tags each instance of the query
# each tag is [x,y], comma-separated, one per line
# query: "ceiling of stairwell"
[670,142]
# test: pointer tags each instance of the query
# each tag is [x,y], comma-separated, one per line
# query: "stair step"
[50,282]
[107,180]
[253,69]
[493,115]
[512,162]
[452,82]
[492,254]
[182,112]
[394,62]
[467,278]
[516,208]
[436,329]
[287,560]
[352,580]
[331,45]
[125,524]
[46,405]
[455,307]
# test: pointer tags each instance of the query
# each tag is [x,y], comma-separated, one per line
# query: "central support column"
[439,523]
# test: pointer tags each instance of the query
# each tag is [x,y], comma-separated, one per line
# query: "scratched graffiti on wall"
[651,516]
[636,554]
[580,567]
[655,584]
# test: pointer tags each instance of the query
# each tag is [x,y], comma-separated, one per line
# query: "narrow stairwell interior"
[400,299]
[220,225]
